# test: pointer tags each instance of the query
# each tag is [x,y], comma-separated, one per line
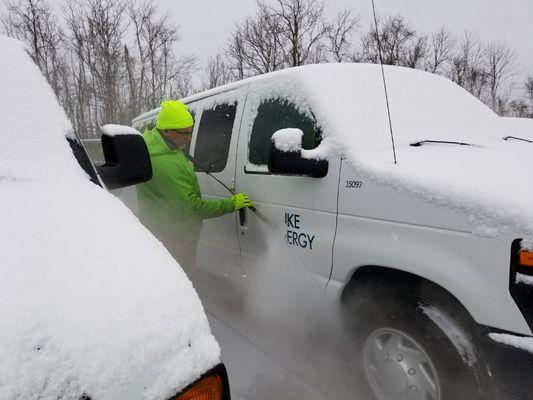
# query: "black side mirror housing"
[291,162]
[127,161]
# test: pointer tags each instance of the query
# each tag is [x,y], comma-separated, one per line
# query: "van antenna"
[384,81]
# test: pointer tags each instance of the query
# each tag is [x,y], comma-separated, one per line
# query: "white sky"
[207,24]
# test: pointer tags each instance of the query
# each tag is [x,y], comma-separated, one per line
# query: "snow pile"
[90,302]
[523,343]
[114,130]
[287,140]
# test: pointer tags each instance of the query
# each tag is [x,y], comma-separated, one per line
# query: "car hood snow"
[89,299]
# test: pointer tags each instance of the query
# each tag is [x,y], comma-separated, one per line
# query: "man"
[170,204]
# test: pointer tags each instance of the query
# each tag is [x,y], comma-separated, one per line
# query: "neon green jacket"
[171,201]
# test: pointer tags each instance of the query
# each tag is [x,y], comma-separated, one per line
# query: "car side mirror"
[285,157]
[127,161]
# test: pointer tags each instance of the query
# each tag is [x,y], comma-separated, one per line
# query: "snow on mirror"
[287,157]
[288,139]
[116,130]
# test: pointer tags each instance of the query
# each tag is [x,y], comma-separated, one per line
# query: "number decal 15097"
[354,184]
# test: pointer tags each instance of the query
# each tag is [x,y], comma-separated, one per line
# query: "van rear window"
[275,114]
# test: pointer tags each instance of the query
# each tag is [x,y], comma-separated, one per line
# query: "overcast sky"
[206,24]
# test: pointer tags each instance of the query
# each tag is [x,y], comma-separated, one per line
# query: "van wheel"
[412,350]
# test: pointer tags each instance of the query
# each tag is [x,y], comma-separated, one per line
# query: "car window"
[275,114]
[213,137]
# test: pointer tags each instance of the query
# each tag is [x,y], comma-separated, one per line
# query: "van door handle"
[242,217]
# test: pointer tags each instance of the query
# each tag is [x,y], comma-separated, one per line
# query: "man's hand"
[241,200]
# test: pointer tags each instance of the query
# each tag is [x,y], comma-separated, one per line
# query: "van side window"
[213,137]
[275,114]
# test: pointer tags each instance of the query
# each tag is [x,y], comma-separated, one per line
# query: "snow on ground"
[89,300]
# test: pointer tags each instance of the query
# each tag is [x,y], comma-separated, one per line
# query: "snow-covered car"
[420,225]
[92,306]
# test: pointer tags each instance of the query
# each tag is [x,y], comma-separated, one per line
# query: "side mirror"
[127,161]
[285,157]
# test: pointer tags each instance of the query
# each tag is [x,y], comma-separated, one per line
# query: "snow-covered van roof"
[90,303]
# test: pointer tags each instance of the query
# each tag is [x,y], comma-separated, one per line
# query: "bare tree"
[441,50]
[216,72]
[282,34]
[236,53]
[257,46]
[96,29]
[528,87]
[400,43]
[155,38]
[523,107]
[183,84]
[413,55]
[302,27]
[498,60]
[520,108]
[466,66]
[338,36]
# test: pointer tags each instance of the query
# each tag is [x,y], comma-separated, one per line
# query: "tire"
[413,350]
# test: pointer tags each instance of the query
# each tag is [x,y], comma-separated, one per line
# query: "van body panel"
[301,211]
[474,270]
[362,197]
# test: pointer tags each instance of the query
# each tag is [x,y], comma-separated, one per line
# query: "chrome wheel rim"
[397,367]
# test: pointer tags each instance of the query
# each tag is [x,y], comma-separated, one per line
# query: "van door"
[301,210]
[213,148]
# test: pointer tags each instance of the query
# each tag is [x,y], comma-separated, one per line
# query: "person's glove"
[241,200]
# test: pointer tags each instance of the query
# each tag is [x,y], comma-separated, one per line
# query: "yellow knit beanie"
[174,115]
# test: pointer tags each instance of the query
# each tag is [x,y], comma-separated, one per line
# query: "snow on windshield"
[482,180]
[90,301]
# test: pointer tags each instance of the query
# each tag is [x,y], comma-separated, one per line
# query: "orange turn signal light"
[526,258]
[209,388]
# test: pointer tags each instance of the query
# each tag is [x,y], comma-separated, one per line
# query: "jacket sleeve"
[178,184]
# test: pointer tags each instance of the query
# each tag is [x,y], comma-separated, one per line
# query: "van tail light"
[525,259]
[208,388]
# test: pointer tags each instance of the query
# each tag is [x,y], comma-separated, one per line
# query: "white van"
[91,305]
[416,232]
